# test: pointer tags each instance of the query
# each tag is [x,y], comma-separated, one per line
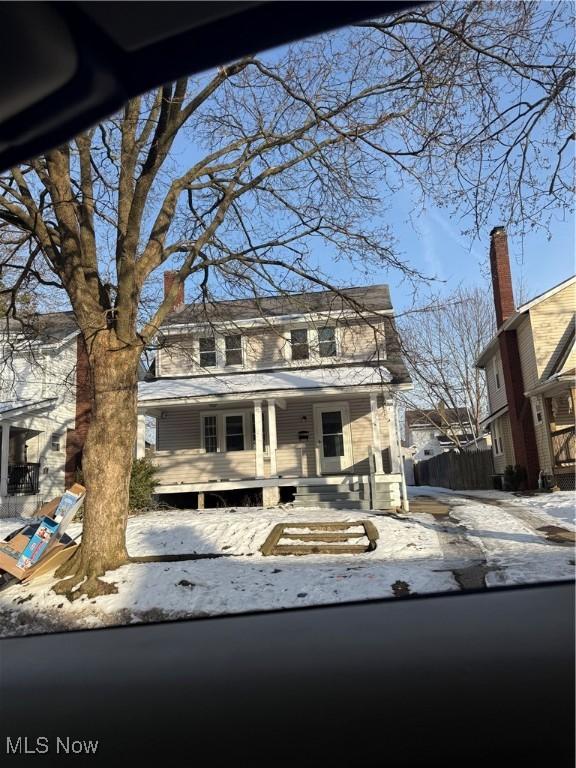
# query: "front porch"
[318,438]
[558,409]
[19,477]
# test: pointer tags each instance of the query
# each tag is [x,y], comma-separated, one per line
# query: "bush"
[142,485]
[514,478]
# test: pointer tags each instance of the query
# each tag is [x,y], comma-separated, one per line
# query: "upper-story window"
[208,352]
[497,438]
[497,372]
[299,342]
[327,342]
[233,349]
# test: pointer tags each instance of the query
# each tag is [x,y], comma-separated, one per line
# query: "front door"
[332,429]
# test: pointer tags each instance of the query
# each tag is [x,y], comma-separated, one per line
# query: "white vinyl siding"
[182,432]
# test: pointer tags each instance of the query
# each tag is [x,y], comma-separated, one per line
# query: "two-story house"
[529,366]
[291,392]
[44,410]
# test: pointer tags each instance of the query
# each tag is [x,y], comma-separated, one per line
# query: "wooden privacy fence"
[469,470]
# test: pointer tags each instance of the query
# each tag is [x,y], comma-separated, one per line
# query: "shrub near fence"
[470,470]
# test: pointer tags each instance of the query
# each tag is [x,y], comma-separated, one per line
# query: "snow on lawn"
[244,580]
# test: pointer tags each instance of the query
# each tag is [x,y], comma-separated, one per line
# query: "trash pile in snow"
[42,545]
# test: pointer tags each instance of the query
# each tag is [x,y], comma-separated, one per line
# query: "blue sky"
[433,243]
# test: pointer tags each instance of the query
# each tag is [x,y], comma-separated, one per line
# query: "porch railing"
[192,466]
[564,446]
[23,478]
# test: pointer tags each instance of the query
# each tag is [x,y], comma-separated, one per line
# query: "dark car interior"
[476,678]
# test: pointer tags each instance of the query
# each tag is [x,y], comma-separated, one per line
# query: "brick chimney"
[501,275]
[519,411]
[169,278]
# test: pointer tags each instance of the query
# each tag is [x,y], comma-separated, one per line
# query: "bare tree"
[232,178]
[441,345]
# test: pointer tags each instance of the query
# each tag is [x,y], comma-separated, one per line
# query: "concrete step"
[326,496]
[336,488]
[340,504]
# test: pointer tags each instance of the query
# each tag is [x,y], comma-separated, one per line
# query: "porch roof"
[11,409]
[257,383]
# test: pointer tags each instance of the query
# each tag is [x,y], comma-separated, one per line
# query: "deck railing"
[564,446]
[23,478]
[192,466]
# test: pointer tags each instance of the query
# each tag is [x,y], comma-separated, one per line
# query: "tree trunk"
[106,466]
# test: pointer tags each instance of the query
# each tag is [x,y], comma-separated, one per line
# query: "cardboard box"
[38,543]
[55,515]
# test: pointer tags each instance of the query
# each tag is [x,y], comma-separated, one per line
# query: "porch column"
[272,437]
[259,434]
[141,437]
[4,459]
[395,458]
[376,436]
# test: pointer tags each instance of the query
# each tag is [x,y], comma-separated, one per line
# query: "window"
[55,442]
[427,453]
[234,432]
[208,352]
[497,379]
[327,342]
[497,437]
[233,349]
[332,434]
[299,342]
[537,408]
[210,433]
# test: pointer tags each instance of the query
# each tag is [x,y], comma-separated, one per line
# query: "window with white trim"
[327,341]
[210,433]
[299,344]
[538,409]
[233,349]
[55,441]
[497,372]
[234,432]
[207,349]
[497,436]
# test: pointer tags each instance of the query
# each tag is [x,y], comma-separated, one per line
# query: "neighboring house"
[44,410]
[430,432]
[281,391]
[480,443]
[529,367]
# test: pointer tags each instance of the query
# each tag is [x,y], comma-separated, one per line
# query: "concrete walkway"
[465,557]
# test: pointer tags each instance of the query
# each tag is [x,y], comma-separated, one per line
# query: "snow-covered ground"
[505,528]
[411,555]
[558,507]
[244,580]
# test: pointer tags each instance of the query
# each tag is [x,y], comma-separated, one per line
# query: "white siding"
[269,348]
[41,376]
[179,442]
